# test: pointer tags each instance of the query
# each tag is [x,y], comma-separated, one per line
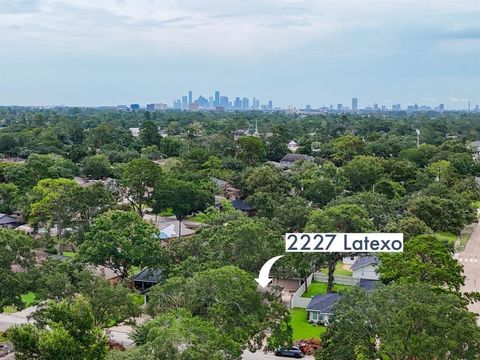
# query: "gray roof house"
[320,307]
[147,278]
[365,267]
[8,221]
[289,159]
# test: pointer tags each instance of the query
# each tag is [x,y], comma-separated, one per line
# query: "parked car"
[293,351]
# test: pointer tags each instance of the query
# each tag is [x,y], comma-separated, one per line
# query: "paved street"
[470,259]
[18,318]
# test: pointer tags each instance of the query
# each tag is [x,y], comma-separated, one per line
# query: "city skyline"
[295,52]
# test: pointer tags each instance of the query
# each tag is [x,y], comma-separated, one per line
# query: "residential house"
[147,278]
[244,207]
[474,146]
[292,146]
[7,221]
[320,307]
[365,267]
[289,159]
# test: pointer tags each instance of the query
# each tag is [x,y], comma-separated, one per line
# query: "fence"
[338,279]
[298,301]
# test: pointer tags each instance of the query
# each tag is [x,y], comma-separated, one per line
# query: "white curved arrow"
[263,277]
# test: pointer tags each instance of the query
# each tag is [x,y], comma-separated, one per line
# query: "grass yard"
[28,299]
[301,328]
[319,288]
[69,254]
[3,338]
[448,237]
[194,218]
[339,270]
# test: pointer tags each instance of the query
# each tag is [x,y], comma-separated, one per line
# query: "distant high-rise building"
[245,103]
[217,98]
[184,103]
[177,104]
[339,107]
[156,107]
[441,107]
[354,104]
[190,97]
[308,108]
[270,105]
[375,107]
[238,103]
[223,101]
[134,107]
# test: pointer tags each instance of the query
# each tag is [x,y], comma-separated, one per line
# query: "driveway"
[470,259]
[18,318]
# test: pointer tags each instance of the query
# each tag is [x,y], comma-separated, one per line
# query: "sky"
[294,52]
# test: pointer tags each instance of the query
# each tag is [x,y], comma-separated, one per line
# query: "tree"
[119,240]
[409,321]
[389,188]
[63,331]
[52,201]
[16,249]
[252,150]
[343,218]
[50,166]
[8,194]
[138,180]
[111,303]
[149,134]
[321,190]
[410,226]
[363,172]
[91,201]
[244,242]
[183,197]
[424,259]
[96,167]
[442,214]
[227,297]
[346,148]
[177,335]
[265,179]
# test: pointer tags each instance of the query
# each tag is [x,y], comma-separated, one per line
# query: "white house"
[320,307]
[292,146]
[365,267]
[475,148]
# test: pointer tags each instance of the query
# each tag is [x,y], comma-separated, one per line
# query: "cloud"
[19,6]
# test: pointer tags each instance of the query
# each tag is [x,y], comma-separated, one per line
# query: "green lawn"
[448,237]
[194,218]
[3,338]
[318,288]
[339,270]
[301,328]
[28,299]
[69,254]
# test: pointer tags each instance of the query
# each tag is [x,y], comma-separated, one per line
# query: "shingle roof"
[364,261]
[323,303]
[241,205]
[296,157]
[368,285]
[7,219]
[149,275]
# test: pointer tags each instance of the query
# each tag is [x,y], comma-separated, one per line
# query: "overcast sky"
[294,52]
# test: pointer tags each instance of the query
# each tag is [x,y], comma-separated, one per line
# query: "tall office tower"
[257,104]
[339,107]
[245,103]
[354,104]
[308,107]
[190,97]
[184,103]
[223,101]
[134,107]
[254,102]
[270,105]
[217,98]
[237,104]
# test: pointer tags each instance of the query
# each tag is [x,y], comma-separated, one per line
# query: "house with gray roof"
[365,267]
[7,221]
[289,159]
[320,307]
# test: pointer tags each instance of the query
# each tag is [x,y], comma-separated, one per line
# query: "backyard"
[302,329]
[339,270]
[319,288]
[28,299]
